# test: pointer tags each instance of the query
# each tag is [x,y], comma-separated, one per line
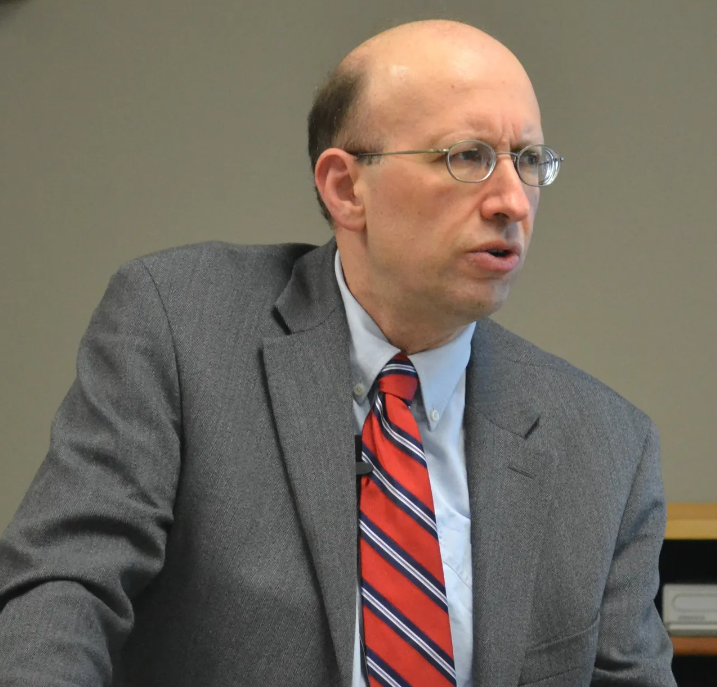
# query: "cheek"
[410,195]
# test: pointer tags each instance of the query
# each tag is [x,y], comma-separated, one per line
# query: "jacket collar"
[312,294]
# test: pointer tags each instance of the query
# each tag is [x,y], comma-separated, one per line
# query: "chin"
[483,305]
[487,310]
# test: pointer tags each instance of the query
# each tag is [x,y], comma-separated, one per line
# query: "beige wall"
[126,127]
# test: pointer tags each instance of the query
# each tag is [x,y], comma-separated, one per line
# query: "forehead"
[460,95]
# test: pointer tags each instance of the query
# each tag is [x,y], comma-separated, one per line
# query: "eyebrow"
[519,145]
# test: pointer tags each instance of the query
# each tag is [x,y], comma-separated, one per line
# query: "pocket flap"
[560,655]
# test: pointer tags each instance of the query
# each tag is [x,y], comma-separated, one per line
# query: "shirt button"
[359,389]
[435,415]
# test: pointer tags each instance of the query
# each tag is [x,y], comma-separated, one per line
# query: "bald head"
[434,44]
[403,78]
[413,66]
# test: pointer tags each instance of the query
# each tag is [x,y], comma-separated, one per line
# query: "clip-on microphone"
[362,467]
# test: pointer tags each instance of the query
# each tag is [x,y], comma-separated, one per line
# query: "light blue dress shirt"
[438,411]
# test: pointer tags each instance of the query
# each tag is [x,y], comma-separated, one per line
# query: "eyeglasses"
[473,161]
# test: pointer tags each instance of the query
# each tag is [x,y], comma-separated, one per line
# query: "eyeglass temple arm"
[444,151]
[402,152]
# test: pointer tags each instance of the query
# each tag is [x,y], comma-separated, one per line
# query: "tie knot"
[399,378]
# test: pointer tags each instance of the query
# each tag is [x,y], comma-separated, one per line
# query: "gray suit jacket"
[194,523]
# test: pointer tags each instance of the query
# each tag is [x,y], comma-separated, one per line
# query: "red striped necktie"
[407,634]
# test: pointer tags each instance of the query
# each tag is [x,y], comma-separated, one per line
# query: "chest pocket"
[563,662]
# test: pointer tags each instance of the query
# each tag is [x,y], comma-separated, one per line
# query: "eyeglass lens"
[473,161]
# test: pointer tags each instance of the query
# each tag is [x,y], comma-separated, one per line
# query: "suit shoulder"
[553,373]
[198,282]
[218,257]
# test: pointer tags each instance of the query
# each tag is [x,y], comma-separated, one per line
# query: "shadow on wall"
[7,7]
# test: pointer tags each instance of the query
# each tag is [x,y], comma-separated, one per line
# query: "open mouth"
[501,260]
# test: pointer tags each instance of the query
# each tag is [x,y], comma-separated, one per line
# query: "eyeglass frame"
[445,152]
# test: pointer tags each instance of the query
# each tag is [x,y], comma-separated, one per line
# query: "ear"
[335,177]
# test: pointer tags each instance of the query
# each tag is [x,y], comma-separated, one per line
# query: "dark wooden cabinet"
[689,556]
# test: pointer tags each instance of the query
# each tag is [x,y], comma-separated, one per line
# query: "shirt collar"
[439,369]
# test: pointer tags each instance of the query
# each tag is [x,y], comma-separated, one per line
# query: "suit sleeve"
[90,533]
[633,647]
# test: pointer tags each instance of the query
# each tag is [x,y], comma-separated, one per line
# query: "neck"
[412,337]
[410,329]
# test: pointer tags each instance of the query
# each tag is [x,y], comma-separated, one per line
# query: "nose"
[505,196]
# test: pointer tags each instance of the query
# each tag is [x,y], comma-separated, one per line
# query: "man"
[197,521]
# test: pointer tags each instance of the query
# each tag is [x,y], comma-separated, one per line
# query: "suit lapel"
[510,486]
[309,384]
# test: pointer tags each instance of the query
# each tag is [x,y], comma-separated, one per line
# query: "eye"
[470,154]
[532,159]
